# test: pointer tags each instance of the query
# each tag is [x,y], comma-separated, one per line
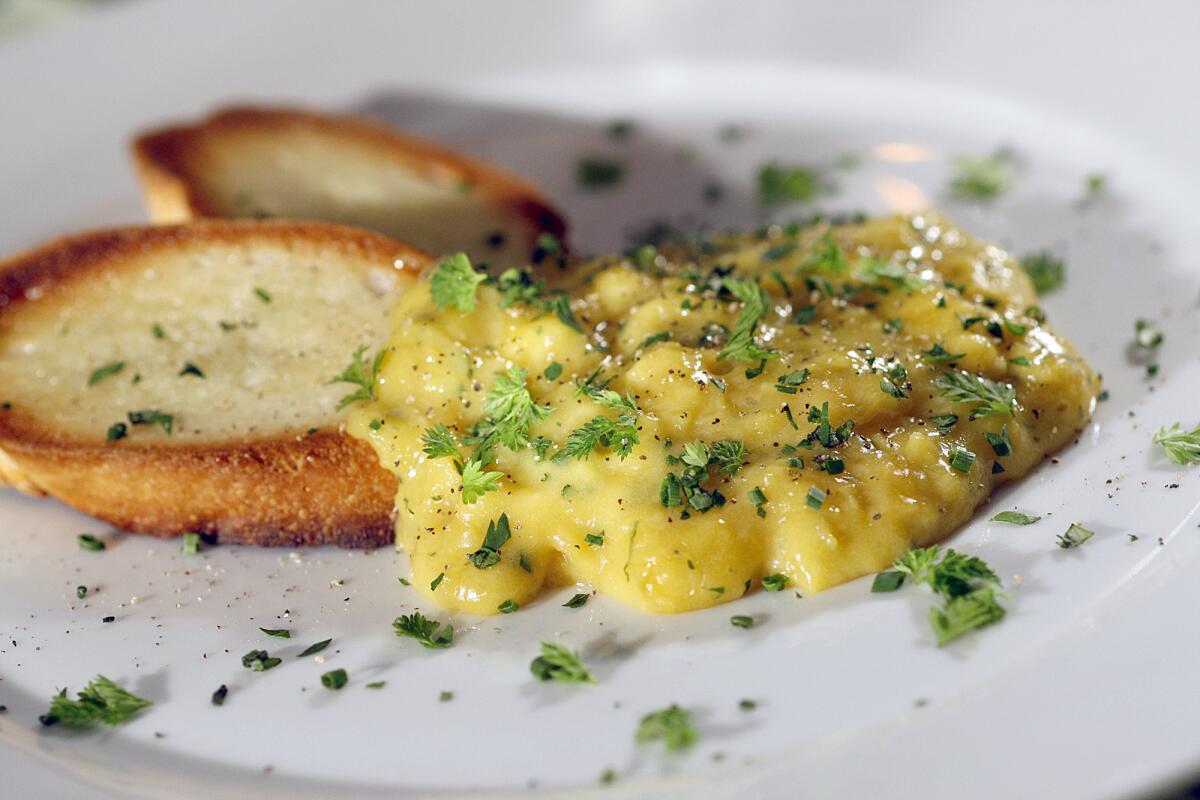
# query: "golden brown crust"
[167,162]
[319,487]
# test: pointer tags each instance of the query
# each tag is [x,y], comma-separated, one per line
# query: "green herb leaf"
[1047,271]
[755,302]
[191,369]
[90,542]
[939,355]
[1014,518]
[1182,447]
[815,498]
[962,460]
[577,600]
[152,416]
[498,533]
[774,583]
[361,375]
[877,271]
[278,633]
[672,725]
[1147,334]
[742,621]
[510,412]
[438,442]
[117,430]
[313,649]
[980,178]
[428,632]
[986,396]
[218,697]
[963,614]
[508,606]
[260,661]
[888,581]
[477,482]
[597,172]
[100,373]
[1075,536]
[1001,444]
[779,184]
[261,294]
[552,372]
[101,700]
[557,663]
[454,282]
[191,544]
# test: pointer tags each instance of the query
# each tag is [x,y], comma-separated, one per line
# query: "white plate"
[1086,690]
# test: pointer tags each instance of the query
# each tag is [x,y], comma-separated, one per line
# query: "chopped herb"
[779,184]
[595,539]
[788,383]
[774,583]
[498,533]
[438,442]
[334,679]
[445,697]
[1014,518]
[428,632]
[81,592]
[963,614]
[673,725]
[1094,185]
[510,412]
[1182,447]
[597,172]
[313,649]
[655,338]
[619,434]
[966,584]
[278,633]
[986,396]
[360,374]
[1020,361]
[557,663]
[1075,536]
[759,500]
[742,621]
[962,460]
[895,382]
[944,422]
[508,606]
[454,282]
[877,270]
[191,544]
[436,582]
[90,542]
[980,178]
[100,373]
[576,600]
[815,498]
[101,700]
[477,482]
[118,430]
[1001,444]
[894,325]
[376,684]
[260,661]
[1047,271]
[755,303]
[157,331]
[552,372]
[939,354]
[1147,334]
[717,590]
[888,581]
[218,697]
[151,416]
[262,295]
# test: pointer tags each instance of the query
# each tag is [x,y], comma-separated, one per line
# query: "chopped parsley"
[436,582]
[759,499]
[877,271]
[428,632]
[779,184]
[454,282]
[895,382]
[191,369]
[261,294]
[151,416]
[557,663]
[576,601]
[362,374]
[218,697]
[488,555]
[375,684]
[944,422]
[726,455]
[101,700]
[595,539]
[1046,270]
[477,481]
[825,257]
[260,661]
[118,430]
[755,302]
[100,373]
[313,649]
[334,679]
[1001,444]
[1074,537]
[967,585]
[741,621]
[1181,446]
[939,354]
[888,581]
[981,178]
[597,172]
[553,371]
[91,542]
[278,633]
[774,583]
[987,397]
[1014,518]
[157,331]
[1147,334]
[672,725]
[787,383]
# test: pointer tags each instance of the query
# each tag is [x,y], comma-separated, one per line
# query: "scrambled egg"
[794,408]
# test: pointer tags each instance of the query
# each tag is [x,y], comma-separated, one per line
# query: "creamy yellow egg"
[807,404]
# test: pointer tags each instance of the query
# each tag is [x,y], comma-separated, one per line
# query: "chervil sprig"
[362,374]
[619,434]
[510,411]
[557,663]
[755,302]
[986,396]
[966,584]
[1182,447]
[101,700]
[429,632]
[455,282]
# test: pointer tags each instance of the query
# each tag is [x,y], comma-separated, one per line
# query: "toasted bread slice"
[279,162]
[233,330]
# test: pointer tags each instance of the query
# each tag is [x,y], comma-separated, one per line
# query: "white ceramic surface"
[1087,690]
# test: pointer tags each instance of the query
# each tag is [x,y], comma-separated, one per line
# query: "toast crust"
[283,489]
[168,162]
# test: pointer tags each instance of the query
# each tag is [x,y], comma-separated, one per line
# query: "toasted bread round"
[280,162]
[177,379]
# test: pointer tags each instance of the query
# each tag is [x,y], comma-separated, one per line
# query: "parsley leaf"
[1075,536]
[986,396]
[774,583]
[963,614]
[1182,447]
[477,482]
[939,354]
[966,583]
[557,663]
[673,725]
[510,411]
[101,700]
[100,373]
[826,257]
[151,416]
[498,533]
[1014,518]
[360,374]
[1047,271]
[755,302]
[428,632]
[983,178]
[260,661]
[454,282]
[877,270]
